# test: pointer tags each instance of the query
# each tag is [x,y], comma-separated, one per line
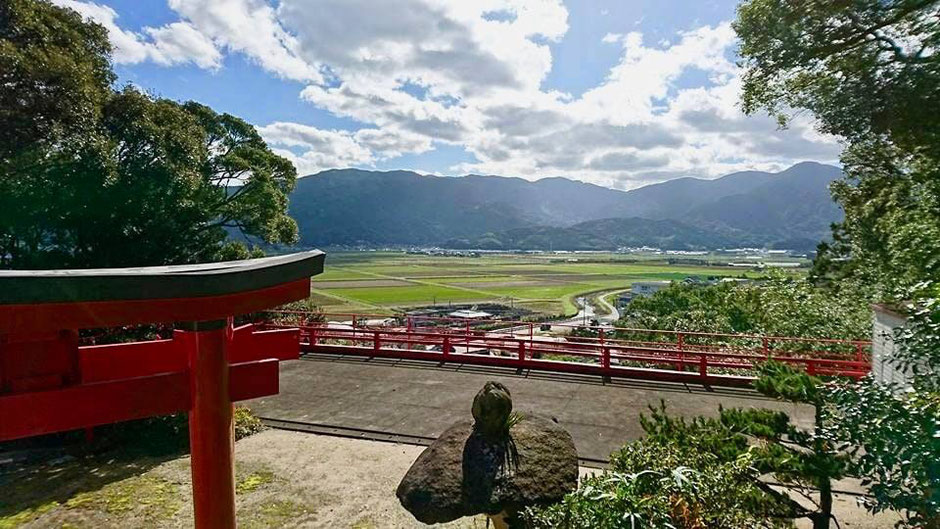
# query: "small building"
[647,288]
[623,299]
[887,321]
[470,314]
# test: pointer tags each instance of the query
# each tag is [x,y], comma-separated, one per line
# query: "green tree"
[119,178]
[894,430]
[797,457]
[652,484]
[865,69]
[55,75]
[705,472]
[869,70]
[779,306]
[816,459]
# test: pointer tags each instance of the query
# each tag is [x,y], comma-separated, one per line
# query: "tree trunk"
[821,520]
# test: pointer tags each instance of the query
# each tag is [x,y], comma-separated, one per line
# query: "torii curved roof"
[32,300]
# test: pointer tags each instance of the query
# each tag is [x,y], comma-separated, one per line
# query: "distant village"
[756,258]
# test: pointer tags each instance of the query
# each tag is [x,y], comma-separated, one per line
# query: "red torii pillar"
[50,384]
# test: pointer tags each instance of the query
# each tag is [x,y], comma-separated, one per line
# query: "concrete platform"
[421,399]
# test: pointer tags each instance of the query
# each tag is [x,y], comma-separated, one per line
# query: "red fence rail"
[708,358]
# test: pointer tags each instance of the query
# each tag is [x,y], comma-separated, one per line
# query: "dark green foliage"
[781,306]
[168,434]
[609,234]
[54,76]
[94,177]
[863,68]
[895,437]
[668,476]
[866,70]
[775,446]
[890,238]
[893,431]
[784,382]
[672,481]
[809,457]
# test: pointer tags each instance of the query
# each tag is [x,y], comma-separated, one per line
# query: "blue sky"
[618,93]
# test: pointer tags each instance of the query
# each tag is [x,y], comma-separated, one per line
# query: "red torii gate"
[50,384]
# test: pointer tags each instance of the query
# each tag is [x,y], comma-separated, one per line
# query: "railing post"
[445,348]
[376,341]
[703,366]
[810,367]
[859,354]
[680,343]
[766,344]
[410,332]
[521,353]
[467,335]
[211,424]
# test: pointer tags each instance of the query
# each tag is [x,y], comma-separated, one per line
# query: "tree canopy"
[869,72]
[862,67]
[96,176]
[780,306]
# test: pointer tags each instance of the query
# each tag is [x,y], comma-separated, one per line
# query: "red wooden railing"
[709,358]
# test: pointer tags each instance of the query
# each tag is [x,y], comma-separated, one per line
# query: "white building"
[886,322]
[470,314]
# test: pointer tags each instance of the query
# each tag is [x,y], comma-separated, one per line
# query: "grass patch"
[445,279]
[26,515]
[416,294]
[253,481]
[275,513]
[540,292]
[364,523]
[151,497]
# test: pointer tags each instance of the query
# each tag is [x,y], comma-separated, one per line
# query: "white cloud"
[325,149]
[416,72]
[175,43]
[250,27]
[319,149]
[392,144]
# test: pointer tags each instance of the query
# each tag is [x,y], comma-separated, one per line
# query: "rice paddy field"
[383,282]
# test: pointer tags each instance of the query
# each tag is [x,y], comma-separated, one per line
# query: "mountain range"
[790,209]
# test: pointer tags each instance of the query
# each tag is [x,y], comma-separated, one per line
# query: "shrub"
[653,485]
[246,423]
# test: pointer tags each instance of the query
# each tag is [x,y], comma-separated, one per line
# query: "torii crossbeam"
[50,384]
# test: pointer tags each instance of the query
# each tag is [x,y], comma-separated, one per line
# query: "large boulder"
[478,467]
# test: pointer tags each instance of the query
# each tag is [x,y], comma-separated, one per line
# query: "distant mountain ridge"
[357,207]
[602,234]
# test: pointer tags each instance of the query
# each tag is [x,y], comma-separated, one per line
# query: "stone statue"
[498,464]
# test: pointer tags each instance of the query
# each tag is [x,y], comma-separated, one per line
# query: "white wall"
[883,346]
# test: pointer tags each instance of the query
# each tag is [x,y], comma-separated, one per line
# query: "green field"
[382,282]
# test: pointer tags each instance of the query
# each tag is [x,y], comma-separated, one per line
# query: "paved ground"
[284,479]
[423,398]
